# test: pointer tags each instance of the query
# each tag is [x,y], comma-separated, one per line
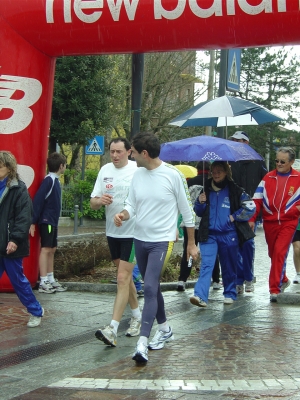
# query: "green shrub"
[81,189]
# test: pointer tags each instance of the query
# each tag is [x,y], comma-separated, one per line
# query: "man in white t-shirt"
[157,194]
[111,189]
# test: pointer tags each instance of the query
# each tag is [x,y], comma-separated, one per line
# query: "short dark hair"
[203,166]
[120,139]
[147,141]
[54,160]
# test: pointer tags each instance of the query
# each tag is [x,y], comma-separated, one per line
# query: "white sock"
[136,313]
[50,277]
[144,340]
[115,324]
[43,279]
[165,327]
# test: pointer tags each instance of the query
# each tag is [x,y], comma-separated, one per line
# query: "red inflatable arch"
[34,32]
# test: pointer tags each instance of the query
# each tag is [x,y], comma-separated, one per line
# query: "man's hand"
[97,202]
[192,251]
[120,217]
[32,230]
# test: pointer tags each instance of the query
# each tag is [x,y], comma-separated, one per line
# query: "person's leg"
[279,238]
[184,269]
[126,292]
[152,258]
[228,253]
[21,285]
[296,255]
[208,252]
[46,257]
[216,271]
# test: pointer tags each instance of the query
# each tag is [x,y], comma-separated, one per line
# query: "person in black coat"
[247,174]
[16,214]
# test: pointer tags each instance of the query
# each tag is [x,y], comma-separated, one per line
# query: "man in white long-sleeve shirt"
[157,194]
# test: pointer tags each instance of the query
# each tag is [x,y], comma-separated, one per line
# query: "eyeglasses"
[280,162]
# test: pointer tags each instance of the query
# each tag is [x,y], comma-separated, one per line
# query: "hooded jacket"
[232,199]
[15,219]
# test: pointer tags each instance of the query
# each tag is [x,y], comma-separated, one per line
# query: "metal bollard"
[76,208]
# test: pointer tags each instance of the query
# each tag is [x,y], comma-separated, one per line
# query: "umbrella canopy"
[207,148]
[187,170]
[225,111]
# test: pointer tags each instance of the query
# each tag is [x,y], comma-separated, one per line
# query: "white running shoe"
[249,287]
[285,285]
[35,321]
[135,327]
[228,300]
[160,338]
[180,286]
[46,287]
[58,287]
[297,278]
[140,354]
[107,335]
[217,285]
[196,301]
[240,289]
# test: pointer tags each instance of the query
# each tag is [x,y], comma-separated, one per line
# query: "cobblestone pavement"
[247,350]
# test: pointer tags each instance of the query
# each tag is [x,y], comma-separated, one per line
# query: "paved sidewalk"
[247,350]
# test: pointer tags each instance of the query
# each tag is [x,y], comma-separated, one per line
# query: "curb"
[289,298]
[112,287]
[283,298]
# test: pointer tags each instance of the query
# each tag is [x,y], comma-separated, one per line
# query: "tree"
[269,77]
[80,102]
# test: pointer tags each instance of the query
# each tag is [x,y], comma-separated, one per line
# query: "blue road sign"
[95,146]
[233,70]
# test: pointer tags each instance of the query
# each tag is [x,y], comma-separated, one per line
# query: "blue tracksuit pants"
[226,245]
[14,270]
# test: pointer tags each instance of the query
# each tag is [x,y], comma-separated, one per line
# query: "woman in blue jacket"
[224,208]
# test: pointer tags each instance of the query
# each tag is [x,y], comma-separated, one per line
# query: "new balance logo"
[11,89]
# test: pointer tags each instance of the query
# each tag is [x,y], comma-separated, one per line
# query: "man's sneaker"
[107,335]
[135,327]
[58,287]
[196,301]
[297,278]
[217,285]
[46,287]
[140,293]
[140,354]
[180,286]
[285,285]
[273,297]
[240,289]
[35,321]
[249,287]
[160,338]
[228,300]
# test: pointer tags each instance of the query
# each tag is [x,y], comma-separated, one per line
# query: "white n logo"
[22,114]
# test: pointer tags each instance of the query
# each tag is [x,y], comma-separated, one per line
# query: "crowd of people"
[143,197]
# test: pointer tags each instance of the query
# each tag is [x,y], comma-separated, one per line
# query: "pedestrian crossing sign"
[233,70]
[95,146]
